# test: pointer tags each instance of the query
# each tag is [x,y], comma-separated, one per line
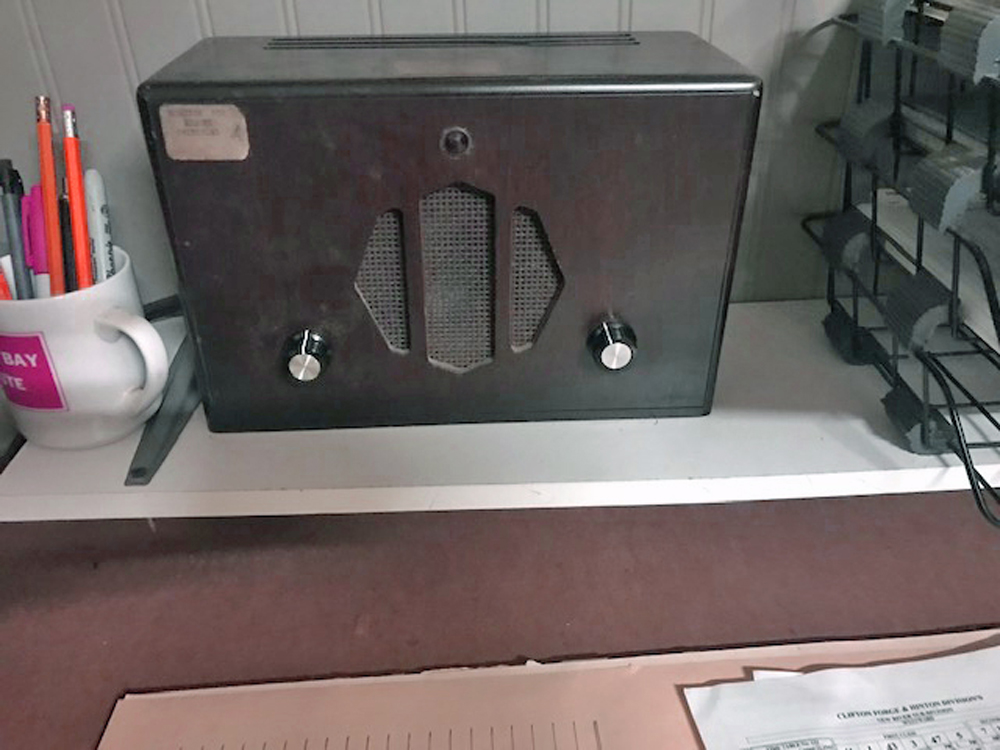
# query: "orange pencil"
[50,197]
[5,288]
[77,203]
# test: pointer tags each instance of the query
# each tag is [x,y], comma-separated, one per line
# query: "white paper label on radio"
[204,132]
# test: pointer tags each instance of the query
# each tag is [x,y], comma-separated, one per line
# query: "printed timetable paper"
[947,703]
[603,704]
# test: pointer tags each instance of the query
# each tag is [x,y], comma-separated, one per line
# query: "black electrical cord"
[976,481]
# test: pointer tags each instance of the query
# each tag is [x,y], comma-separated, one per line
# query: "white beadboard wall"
[93,54]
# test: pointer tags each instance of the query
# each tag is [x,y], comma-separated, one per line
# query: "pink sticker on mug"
[26,373]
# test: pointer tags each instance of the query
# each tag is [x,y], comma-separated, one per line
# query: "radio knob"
[613,345]
[306,355]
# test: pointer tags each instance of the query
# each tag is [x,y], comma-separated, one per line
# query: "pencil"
[77,202]
[50,197]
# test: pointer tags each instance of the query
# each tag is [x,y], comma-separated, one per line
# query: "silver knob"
[307,353]
[613,345]
[616,355]
[304,367]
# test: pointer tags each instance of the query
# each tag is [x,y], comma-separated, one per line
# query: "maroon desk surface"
[91,610]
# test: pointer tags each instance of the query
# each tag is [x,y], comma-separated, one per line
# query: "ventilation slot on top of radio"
[452,40]
[535,279]
[457,234]
[381,281]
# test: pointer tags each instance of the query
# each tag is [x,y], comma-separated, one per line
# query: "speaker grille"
[536,279]
[381,281]
[457,232]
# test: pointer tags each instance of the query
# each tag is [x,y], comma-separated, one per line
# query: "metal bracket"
[180,398]
[855,344]
[846,240]
[906,412]
[970,41]
[881,20]
[916,307]
[944,185]
[863,129]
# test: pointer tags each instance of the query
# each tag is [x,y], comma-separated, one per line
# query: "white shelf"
[790,420]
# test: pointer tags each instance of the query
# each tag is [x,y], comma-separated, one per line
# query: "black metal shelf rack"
[887,310]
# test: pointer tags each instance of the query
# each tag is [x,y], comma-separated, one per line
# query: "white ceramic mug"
[82,369]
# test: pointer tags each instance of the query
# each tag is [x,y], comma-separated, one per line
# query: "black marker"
[66,231]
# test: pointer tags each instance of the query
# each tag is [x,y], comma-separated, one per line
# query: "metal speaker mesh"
[457,234]
[535,279]
[381,281]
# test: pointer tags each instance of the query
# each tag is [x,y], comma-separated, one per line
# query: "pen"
[50,194]
[4,289]
[69,262]
[8,272]
[77,202]
[102,252]
[39,244]
[29,250]
[11,192]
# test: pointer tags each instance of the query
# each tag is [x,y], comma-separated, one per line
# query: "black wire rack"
[887,308]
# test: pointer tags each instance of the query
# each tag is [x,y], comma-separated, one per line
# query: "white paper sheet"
[948,703]
[771,674]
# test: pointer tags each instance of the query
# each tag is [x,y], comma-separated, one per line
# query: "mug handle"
[154,357]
